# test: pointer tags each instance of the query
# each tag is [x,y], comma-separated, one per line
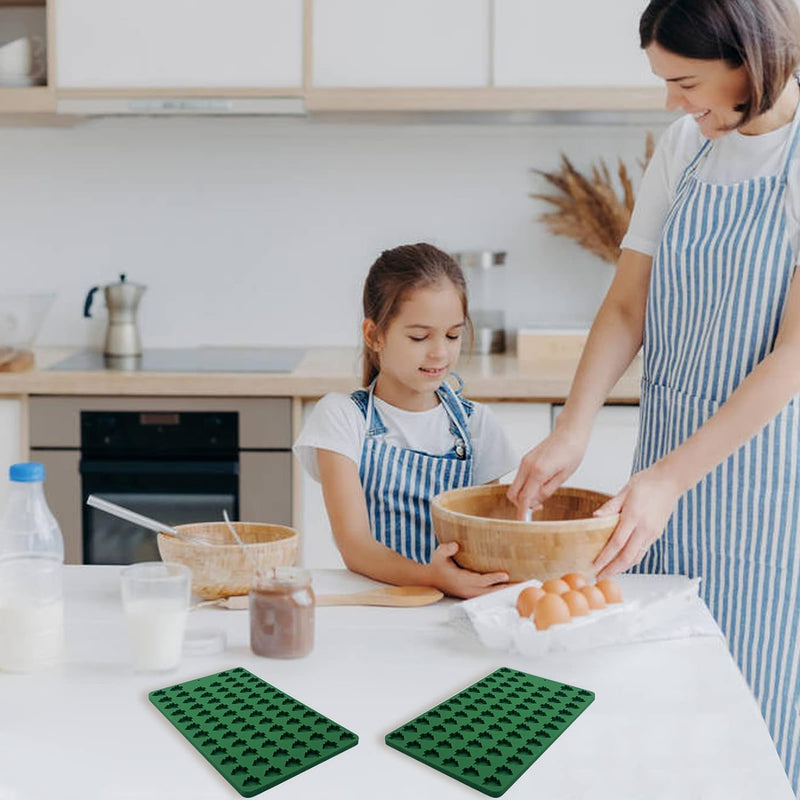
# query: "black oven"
[176,467]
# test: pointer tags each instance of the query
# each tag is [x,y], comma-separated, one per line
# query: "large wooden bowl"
[221,568]
[562,536]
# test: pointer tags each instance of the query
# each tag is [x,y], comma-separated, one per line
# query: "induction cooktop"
[189,359]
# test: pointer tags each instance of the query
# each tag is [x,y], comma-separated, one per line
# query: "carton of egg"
[653,606]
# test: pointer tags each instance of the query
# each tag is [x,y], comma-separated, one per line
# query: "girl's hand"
[644,504]
[453,580]
[544,469]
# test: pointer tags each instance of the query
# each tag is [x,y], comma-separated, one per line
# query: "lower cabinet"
[606,466]
[319,549]
[11,445]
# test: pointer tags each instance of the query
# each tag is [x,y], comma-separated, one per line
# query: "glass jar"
[282,614]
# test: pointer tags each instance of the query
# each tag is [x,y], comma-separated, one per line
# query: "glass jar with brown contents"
[282,614]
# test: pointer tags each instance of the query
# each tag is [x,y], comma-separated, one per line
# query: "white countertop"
[321,370]
[671,719]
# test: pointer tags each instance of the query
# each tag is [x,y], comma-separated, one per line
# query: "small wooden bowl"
[221,568]
[562,536]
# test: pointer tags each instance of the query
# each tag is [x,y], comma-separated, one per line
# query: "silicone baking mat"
[253,734]
[488,734]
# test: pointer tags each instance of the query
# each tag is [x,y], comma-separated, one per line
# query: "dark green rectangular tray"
[253,734]
[488,734]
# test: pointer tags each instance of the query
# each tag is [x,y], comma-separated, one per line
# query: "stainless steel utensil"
[141,519]
[236,536]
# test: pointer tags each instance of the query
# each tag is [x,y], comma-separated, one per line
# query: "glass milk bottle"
[31,559]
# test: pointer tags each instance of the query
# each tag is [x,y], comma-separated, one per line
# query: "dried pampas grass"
[588,209]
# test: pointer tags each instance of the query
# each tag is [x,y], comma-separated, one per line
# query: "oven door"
[173,492]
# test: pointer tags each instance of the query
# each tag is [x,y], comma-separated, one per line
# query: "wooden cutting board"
[13,360]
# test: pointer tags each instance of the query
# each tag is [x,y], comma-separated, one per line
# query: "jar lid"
[26,472]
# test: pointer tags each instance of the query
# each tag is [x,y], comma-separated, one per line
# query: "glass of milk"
[155,599]
[31,613]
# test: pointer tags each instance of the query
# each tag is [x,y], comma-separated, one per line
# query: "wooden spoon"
[398,596]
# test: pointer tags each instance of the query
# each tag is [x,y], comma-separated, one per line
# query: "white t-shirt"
[337,424]
[733,157]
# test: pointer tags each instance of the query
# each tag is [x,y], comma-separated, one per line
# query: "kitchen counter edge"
[322,370]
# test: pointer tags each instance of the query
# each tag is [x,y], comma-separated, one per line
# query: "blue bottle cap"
[27,472]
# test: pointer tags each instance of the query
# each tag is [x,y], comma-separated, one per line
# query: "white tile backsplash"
[257,231]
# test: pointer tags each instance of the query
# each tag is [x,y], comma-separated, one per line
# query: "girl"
[707,282]
[383,452]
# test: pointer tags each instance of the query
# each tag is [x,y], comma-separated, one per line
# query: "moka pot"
[122,302]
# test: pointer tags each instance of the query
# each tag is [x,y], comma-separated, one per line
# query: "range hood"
[177,105]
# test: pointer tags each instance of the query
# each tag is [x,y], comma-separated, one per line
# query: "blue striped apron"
[399,483]
[718,287]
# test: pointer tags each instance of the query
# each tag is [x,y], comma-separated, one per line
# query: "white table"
[671,719]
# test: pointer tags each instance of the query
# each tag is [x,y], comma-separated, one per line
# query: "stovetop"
[190,359]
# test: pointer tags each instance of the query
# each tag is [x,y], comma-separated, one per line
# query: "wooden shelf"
[23,3]
[33,100]
[601,98]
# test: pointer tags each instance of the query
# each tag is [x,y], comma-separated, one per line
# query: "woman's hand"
[544,469]
[644,504]
[453,580]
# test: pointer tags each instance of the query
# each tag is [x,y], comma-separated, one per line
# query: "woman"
[705,282]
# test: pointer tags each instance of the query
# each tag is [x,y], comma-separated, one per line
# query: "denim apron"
[718,288]
[399,483]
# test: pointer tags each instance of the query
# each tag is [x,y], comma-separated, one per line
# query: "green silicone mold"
[488,734]
[253,734]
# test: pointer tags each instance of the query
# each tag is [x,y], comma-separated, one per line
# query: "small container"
[282,614]
[486,285]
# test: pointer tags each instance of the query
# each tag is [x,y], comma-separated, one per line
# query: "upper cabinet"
[478,55]
[400,43]
[574,44]
[255,45]
[286,56]
[25,57]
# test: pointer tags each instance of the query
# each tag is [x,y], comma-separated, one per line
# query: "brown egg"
[526,600]
[594,596]
[574,580]
[576,602]
[550,610]
[555,586]
[610,590]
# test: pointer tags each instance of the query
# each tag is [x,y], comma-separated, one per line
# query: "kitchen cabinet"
[20,18]
[479,55]
[176,44]
[318,547]
[400,43]
[525,424]
[12,443]
[606,465]
[578,44]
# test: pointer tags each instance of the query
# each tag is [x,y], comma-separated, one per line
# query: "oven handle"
[93,466]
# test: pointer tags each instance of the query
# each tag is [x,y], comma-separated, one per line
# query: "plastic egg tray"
[488,734]
[253,734]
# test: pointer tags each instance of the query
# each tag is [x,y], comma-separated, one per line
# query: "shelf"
[601,98]
[36,99]
[23,3]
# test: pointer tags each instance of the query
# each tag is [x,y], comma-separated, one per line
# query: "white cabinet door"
[10,441]
[319,546]
[577,43]
[525,424]
[606,466]
[402,43]
[179,43]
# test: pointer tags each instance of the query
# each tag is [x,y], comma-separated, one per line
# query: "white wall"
[258,231]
